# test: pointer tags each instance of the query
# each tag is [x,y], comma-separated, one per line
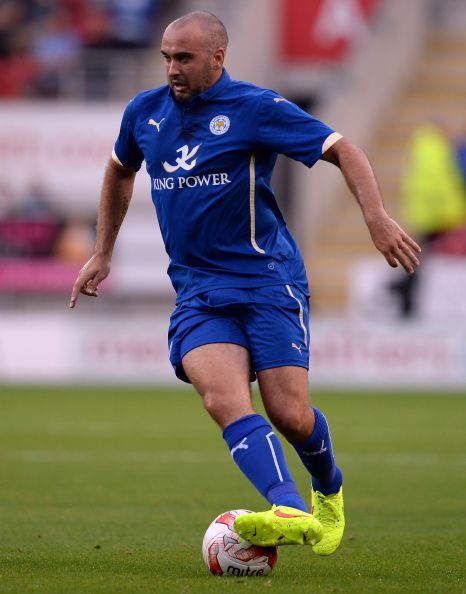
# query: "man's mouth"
[178,86]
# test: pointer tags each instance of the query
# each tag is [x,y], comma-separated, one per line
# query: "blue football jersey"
[210,162]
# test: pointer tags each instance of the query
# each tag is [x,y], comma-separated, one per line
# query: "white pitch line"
[164,457]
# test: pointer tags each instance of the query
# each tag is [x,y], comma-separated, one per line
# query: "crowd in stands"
[32,227]
[41,246]
[40,40]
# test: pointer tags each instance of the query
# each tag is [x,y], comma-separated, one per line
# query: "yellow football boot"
[329,510]
[280,525]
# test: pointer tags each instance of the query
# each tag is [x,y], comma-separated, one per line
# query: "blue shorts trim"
[271,322]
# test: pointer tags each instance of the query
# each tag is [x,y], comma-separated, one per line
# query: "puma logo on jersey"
[298,348]
[278,99]
[182,161]
[152,122]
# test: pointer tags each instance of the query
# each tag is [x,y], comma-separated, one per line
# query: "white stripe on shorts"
[301,313]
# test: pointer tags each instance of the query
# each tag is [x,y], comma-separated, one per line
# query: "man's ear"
[218,58]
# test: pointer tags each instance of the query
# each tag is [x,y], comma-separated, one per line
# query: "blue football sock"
[258,453]
[317,456]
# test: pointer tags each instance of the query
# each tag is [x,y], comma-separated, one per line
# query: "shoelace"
[328,510]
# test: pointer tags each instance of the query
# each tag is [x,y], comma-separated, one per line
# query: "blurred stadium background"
[110,488]
[373,69]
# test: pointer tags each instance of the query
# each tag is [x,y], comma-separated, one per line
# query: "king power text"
[191,181]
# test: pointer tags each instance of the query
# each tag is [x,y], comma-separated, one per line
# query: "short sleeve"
[286,129]
[127,152]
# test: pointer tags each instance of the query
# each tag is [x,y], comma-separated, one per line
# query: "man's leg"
[220,373]
[284,392]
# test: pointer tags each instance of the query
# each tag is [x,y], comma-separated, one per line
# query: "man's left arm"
[388,237]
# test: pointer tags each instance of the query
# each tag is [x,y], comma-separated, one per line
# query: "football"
[225,553]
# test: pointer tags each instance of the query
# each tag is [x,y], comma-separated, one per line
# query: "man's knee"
[213,402]
[225,407]
[295,423]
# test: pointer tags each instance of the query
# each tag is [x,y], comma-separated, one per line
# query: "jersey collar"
[215,89]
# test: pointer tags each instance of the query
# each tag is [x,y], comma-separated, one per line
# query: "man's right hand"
[90,276]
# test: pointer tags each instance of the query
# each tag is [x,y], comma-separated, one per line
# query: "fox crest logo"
[219,125]
[182,161]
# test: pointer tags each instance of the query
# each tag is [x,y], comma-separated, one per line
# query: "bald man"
[242,309]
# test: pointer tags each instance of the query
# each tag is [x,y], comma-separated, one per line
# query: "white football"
[226,553]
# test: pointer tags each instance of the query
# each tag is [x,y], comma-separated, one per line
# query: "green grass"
[111,490]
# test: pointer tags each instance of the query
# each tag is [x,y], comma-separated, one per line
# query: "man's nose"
[173,68]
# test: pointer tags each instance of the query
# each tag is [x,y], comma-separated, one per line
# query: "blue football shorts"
[271,322]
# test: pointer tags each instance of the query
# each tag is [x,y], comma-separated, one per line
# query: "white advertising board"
[440,294]
[62,147]
[79,348]
[402,355]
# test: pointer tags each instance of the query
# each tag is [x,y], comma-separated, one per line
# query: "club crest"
[219,125]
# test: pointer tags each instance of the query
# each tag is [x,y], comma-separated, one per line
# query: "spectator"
[30,225]
[56,46]
[76,241]
[432,198]
[11,17]
[35,205]
[133,23]
[7,200]
[460,146]
[16,66]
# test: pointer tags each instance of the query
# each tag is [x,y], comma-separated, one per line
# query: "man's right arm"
[116,195]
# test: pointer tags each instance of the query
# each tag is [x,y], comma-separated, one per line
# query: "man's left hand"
[394,243]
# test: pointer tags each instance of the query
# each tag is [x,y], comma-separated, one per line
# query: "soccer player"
[210,145]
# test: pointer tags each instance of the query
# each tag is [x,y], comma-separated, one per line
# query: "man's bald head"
[211,27]
[193,48]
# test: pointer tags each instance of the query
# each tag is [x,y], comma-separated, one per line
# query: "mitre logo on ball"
[225,553]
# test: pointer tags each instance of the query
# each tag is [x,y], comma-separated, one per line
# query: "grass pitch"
[111,490]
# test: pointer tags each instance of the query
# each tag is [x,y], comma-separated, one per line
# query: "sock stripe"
[274,455]
[260,458]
